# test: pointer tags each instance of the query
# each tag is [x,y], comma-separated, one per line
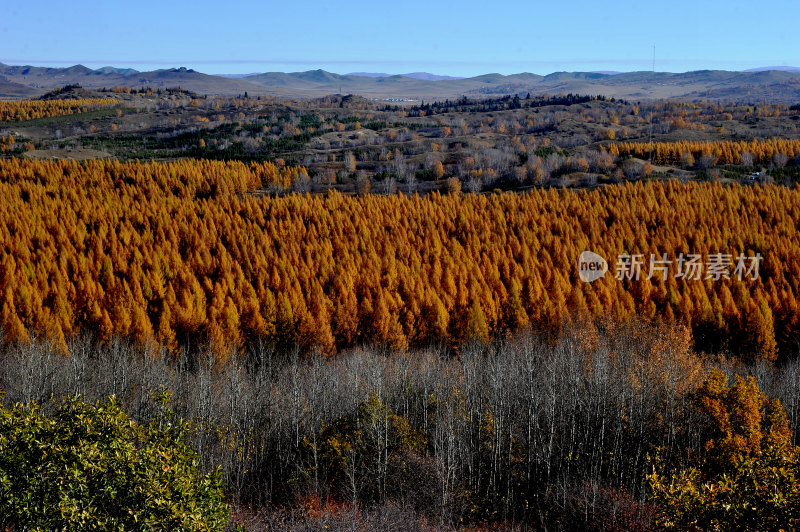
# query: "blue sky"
[459,38]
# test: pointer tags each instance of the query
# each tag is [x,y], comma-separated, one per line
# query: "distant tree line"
[486,105]
[21,110]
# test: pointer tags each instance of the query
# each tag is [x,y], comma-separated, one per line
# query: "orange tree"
[726,151]
[749,478]
[174,252]
[30,109]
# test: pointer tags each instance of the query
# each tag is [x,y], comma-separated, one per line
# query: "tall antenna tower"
[654,59]
[652,110]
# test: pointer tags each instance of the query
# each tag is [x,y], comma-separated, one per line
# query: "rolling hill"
[38,80]
[781,85]
[10,89]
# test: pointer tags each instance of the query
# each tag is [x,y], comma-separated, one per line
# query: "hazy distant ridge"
[779,68]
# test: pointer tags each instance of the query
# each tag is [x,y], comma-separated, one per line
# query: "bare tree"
[302,183]
[349,162]
[524,427]
[465,166]
[707,160]
[389,186]
[474,183]
[363,183]
[780,160]
[400,167]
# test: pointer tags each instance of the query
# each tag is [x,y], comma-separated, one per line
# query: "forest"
[191,252]
[582,430]
[724,152]
[260,314]
[432,359]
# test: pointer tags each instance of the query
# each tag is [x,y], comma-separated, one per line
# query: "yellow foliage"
[175,251]
[21,110]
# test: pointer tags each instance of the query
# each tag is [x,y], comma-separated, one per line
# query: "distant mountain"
[369,74]
[396,86]
[77,70]
[414,75]
[300,80]
[113,70]
[319,76]
[430,77]
[237,76]
[779,68]
[38,80]
[768,84]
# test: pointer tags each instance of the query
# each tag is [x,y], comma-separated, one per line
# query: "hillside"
[10,89]
[40,79]
[778,86]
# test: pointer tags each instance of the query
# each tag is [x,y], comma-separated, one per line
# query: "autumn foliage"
[21,110]
[748,479]
[726,152]
[189,251]
[6,142]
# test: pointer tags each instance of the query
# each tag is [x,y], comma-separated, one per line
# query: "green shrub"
[750,476]
[756,493]
[89,466]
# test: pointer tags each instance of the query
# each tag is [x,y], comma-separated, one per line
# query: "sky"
[449,38]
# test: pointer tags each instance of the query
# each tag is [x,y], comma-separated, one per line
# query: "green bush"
[749,478]
[757,493]
[89,466]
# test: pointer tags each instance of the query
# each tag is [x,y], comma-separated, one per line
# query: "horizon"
[366,37]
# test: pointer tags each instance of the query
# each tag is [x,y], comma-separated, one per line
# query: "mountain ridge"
[778,68]
[414,75]
[763,84]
